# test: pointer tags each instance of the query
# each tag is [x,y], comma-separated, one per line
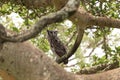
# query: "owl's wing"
[60,50]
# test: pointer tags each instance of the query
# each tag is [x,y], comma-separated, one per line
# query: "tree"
[23,61]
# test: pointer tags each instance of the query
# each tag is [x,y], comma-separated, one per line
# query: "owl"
[56,45]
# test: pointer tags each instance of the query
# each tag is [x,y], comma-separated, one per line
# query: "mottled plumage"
[57,46]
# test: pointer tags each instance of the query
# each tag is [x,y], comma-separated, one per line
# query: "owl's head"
[52,33]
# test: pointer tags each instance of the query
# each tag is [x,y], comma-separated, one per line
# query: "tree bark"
[25,62]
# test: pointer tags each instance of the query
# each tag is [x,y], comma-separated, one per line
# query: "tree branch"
[102,67]
[104,21]
[94,48]
[44,21]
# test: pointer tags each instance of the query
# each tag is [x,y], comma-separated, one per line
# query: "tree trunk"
[23,61]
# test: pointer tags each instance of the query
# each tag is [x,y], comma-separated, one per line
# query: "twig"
[94,49]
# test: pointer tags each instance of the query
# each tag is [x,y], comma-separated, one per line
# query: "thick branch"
[65,12]
[87,19]
[25,62]
[104,21]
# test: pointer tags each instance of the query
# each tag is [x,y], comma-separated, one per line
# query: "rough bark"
[25,62]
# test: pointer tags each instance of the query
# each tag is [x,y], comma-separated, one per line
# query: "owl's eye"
[51,32]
